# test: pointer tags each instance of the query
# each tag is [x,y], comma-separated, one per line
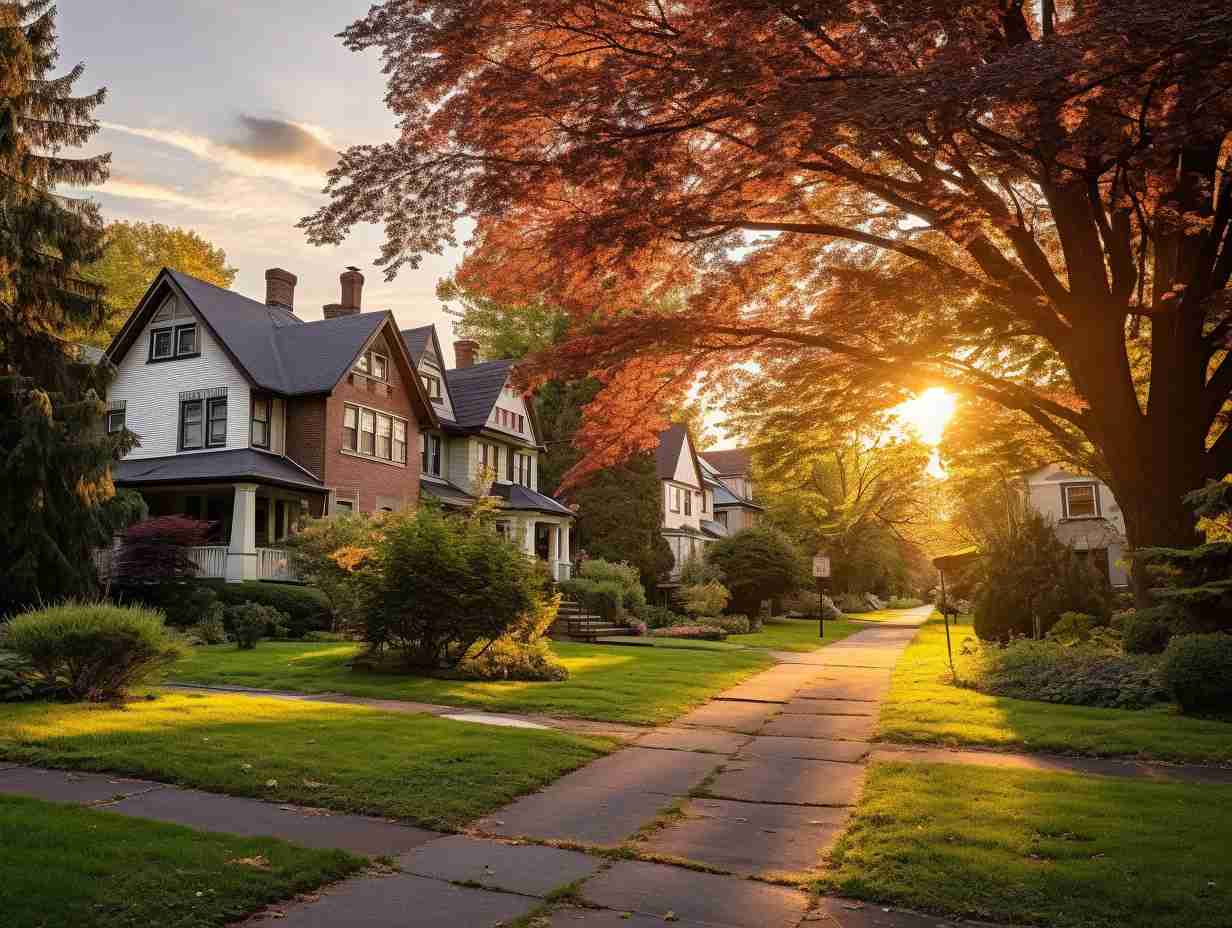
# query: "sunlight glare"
[928,414]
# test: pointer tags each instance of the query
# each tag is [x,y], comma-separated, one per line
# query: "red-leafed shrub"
[157,549]
[704,632]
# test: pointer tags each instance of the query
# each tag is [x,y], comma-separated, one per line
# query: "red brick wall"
[362,478]
[306,432]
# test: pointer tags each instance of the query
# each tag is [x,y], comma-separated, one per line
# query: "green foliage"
[183,602]
[134,253]
[1074,628]
[735,624]
[251,621]
[603,598]
[705,599]
[1080,675]
[1028,576]
[507,659]
[659,617]
[903,602]
[757,563]
[701,632]
[212,629]
[1146,631]
[620,513]
[852,603]
[697,570]
[305,609]
[19,680]
[1198,671]
[93,651]
[313,552]
[503,331]
[623,574]
[436,585]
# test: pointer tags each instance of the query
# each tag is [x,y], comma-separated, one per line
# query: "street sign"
[821,567]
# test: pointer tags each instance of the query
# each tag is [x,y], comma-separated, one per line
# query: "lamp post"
[821,573]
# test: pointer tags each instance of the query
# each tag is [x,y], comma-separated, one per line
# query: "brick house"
[252,418]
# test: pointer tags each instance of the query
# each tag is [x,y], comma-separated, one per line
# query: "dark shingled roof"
[417,340]
[714,529]
[474,391]
[517,496]
[215,466]
[729,462]
[446,492]
[279,351]
[668,452]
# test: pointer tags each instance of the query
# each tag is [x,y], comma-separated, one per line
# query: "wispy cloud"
[133,189]
[296,153]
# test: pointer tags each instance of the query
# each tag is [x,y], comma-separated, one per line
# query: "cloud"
[132,189]
[296,153]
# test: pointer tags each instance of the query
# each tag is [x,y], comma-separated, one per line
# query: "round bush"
[1198,671]
[93,651]
[1145,632]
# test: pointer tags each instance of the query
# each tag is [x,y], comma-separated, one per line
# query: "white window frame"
[112,428]
[1065,497]
[264,423]
[430,454]
[366,365]
[383,428]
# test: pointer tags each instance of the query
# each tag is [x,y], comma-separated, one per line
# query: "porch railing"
[274,564]
[211,560]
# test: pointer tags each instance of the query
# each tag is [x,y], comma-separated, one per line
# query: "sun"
[929,414]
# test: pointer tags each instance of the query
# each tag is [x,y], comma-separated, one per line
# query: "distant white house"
[1085,515]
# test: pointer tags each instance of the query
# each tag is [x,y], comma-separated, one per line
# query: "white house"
[688,496]
[1085,515]
[487,443]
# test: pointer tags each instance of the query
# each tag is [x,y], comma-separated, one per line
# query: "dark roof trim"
[410,371]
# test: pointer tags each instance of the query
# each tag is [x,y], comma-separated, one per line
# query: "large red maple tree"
[1027,203]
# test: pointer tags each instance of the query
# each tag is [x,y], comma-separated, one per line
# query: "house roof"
[713,529]
[728,462]
[276,349]
[216,467]
[518,497]
[668,452]
[446,492]
[417,340]
[474,391]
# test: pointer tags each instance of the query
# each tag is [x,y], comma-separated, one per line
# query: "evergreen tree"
[55,485]
[1198,594]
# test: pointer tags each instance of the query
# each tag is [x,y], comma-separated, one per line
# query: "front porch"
[546,538]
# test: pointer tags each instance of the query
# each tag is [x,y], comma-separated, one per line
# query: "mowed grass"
[430,771]
[66,865]
[617,684]
[1039,848]
[923,707]
[795,635]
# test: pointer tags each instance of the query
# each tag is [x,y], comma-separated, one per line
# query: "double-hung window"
[203,423]
[367,432]
[373,364]
[260,422]
[688,502]
[1081,501]
[399,441]
[432,385]
[384,437]
[674,496]
[350,428]
[489,456]
[374,434]
[115,420]
[170,342]
[431,449]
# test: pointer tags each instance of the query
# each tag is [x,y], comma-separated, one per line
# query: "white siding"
[428,364]
[511,401]
[1045,489]
[151,393]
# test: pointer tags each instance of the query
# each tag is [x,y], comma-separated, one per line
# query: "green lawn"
[795,635]
[431,771]
[66,865]
[923,707]
[606,682]
[1039,848]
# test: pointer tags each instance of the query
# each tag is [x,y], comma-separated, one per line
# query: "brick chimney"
[280,288]
[352,294]
[465,352]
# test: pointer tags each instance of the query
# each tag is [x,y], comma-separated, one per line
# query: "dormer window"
[171,342]
[373,364]
[432,386]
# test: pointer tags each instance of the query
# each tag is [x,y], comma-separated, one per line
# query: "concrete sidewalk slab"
[400,901]
[830,707]
[316,828]
[68,786]
[746,717]
[859,728]
[835,912]
[786,780]
[644,770]
[848,752]
[586,816]
[765,814]
[654,889]
[609,918]
[863,688]
[693,739]
[529,869]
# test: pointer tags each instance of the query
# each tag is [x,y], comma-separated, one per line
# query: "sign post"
[821,573]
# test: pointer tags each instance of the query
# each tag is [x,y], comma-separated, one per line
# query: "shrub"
[706,632]
[705,599]
[93,651]
[829,610]
[904,602]
[250,622]
[659,617]
[305,608]
[534,623]
[733,624]
[1082,675]
[874,602]
[157,549]
[624,575]
[317,553]
[697,570]
[435,585]
[603,598]
[802,602]
[507,659]
[1073,628]
[211,629]
[851,604]
[1198,671]
[1146,631]
[757,564]
[19,680]
[183,602]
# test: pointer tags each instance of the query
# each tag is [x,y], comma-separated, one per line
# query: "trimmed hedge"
[307,608]
[1198,671]
[1146,631]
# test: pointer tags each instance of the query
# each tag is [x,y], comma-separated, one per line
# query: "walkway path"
[722,807]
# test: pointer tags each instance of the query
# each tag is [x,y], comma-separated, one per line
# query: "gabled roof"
[517,497]
[216,466]
[474,391]
[272,346]
[728,462]
[417,341]
[671,440]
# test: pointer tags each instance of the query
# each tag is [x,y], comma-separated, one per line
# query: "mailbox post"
[821,573]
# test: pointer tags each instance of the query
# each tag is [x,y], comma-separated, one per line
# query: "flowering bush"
[707,632]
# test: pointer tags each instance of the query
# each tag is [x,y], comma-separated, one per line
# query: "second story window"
[374,434]
[489,457]
[260,422]
[673,495]
[430,448]
[688,502]
[432,385]
[170,342]
[1081,501]
[203,423]
[374,364]
[519,469]
[367,432]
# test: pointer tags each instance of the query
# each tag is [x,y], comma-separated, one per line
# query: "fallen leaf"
[258,863]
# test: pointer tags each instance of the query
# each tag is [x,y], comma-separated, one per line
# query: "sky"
[222,117]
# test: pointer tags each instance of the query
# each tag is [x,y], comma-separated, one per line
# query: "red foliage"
[156,549]
[856,200]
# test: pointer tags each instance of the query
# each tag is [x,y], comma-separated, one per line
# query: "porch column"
[567,553]
[528,536]
[242,552]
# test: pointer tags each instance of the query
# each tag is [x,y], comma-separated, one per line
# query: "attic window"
[170,342]
[373,364]
[432,386]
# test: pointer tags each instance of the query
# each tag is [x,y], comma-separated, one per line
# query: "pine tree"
[1198,594]
[55,486]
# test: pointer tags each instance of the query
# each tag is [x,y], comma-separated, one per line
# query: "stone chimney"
[465,352]
[280,288]
[352,294]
